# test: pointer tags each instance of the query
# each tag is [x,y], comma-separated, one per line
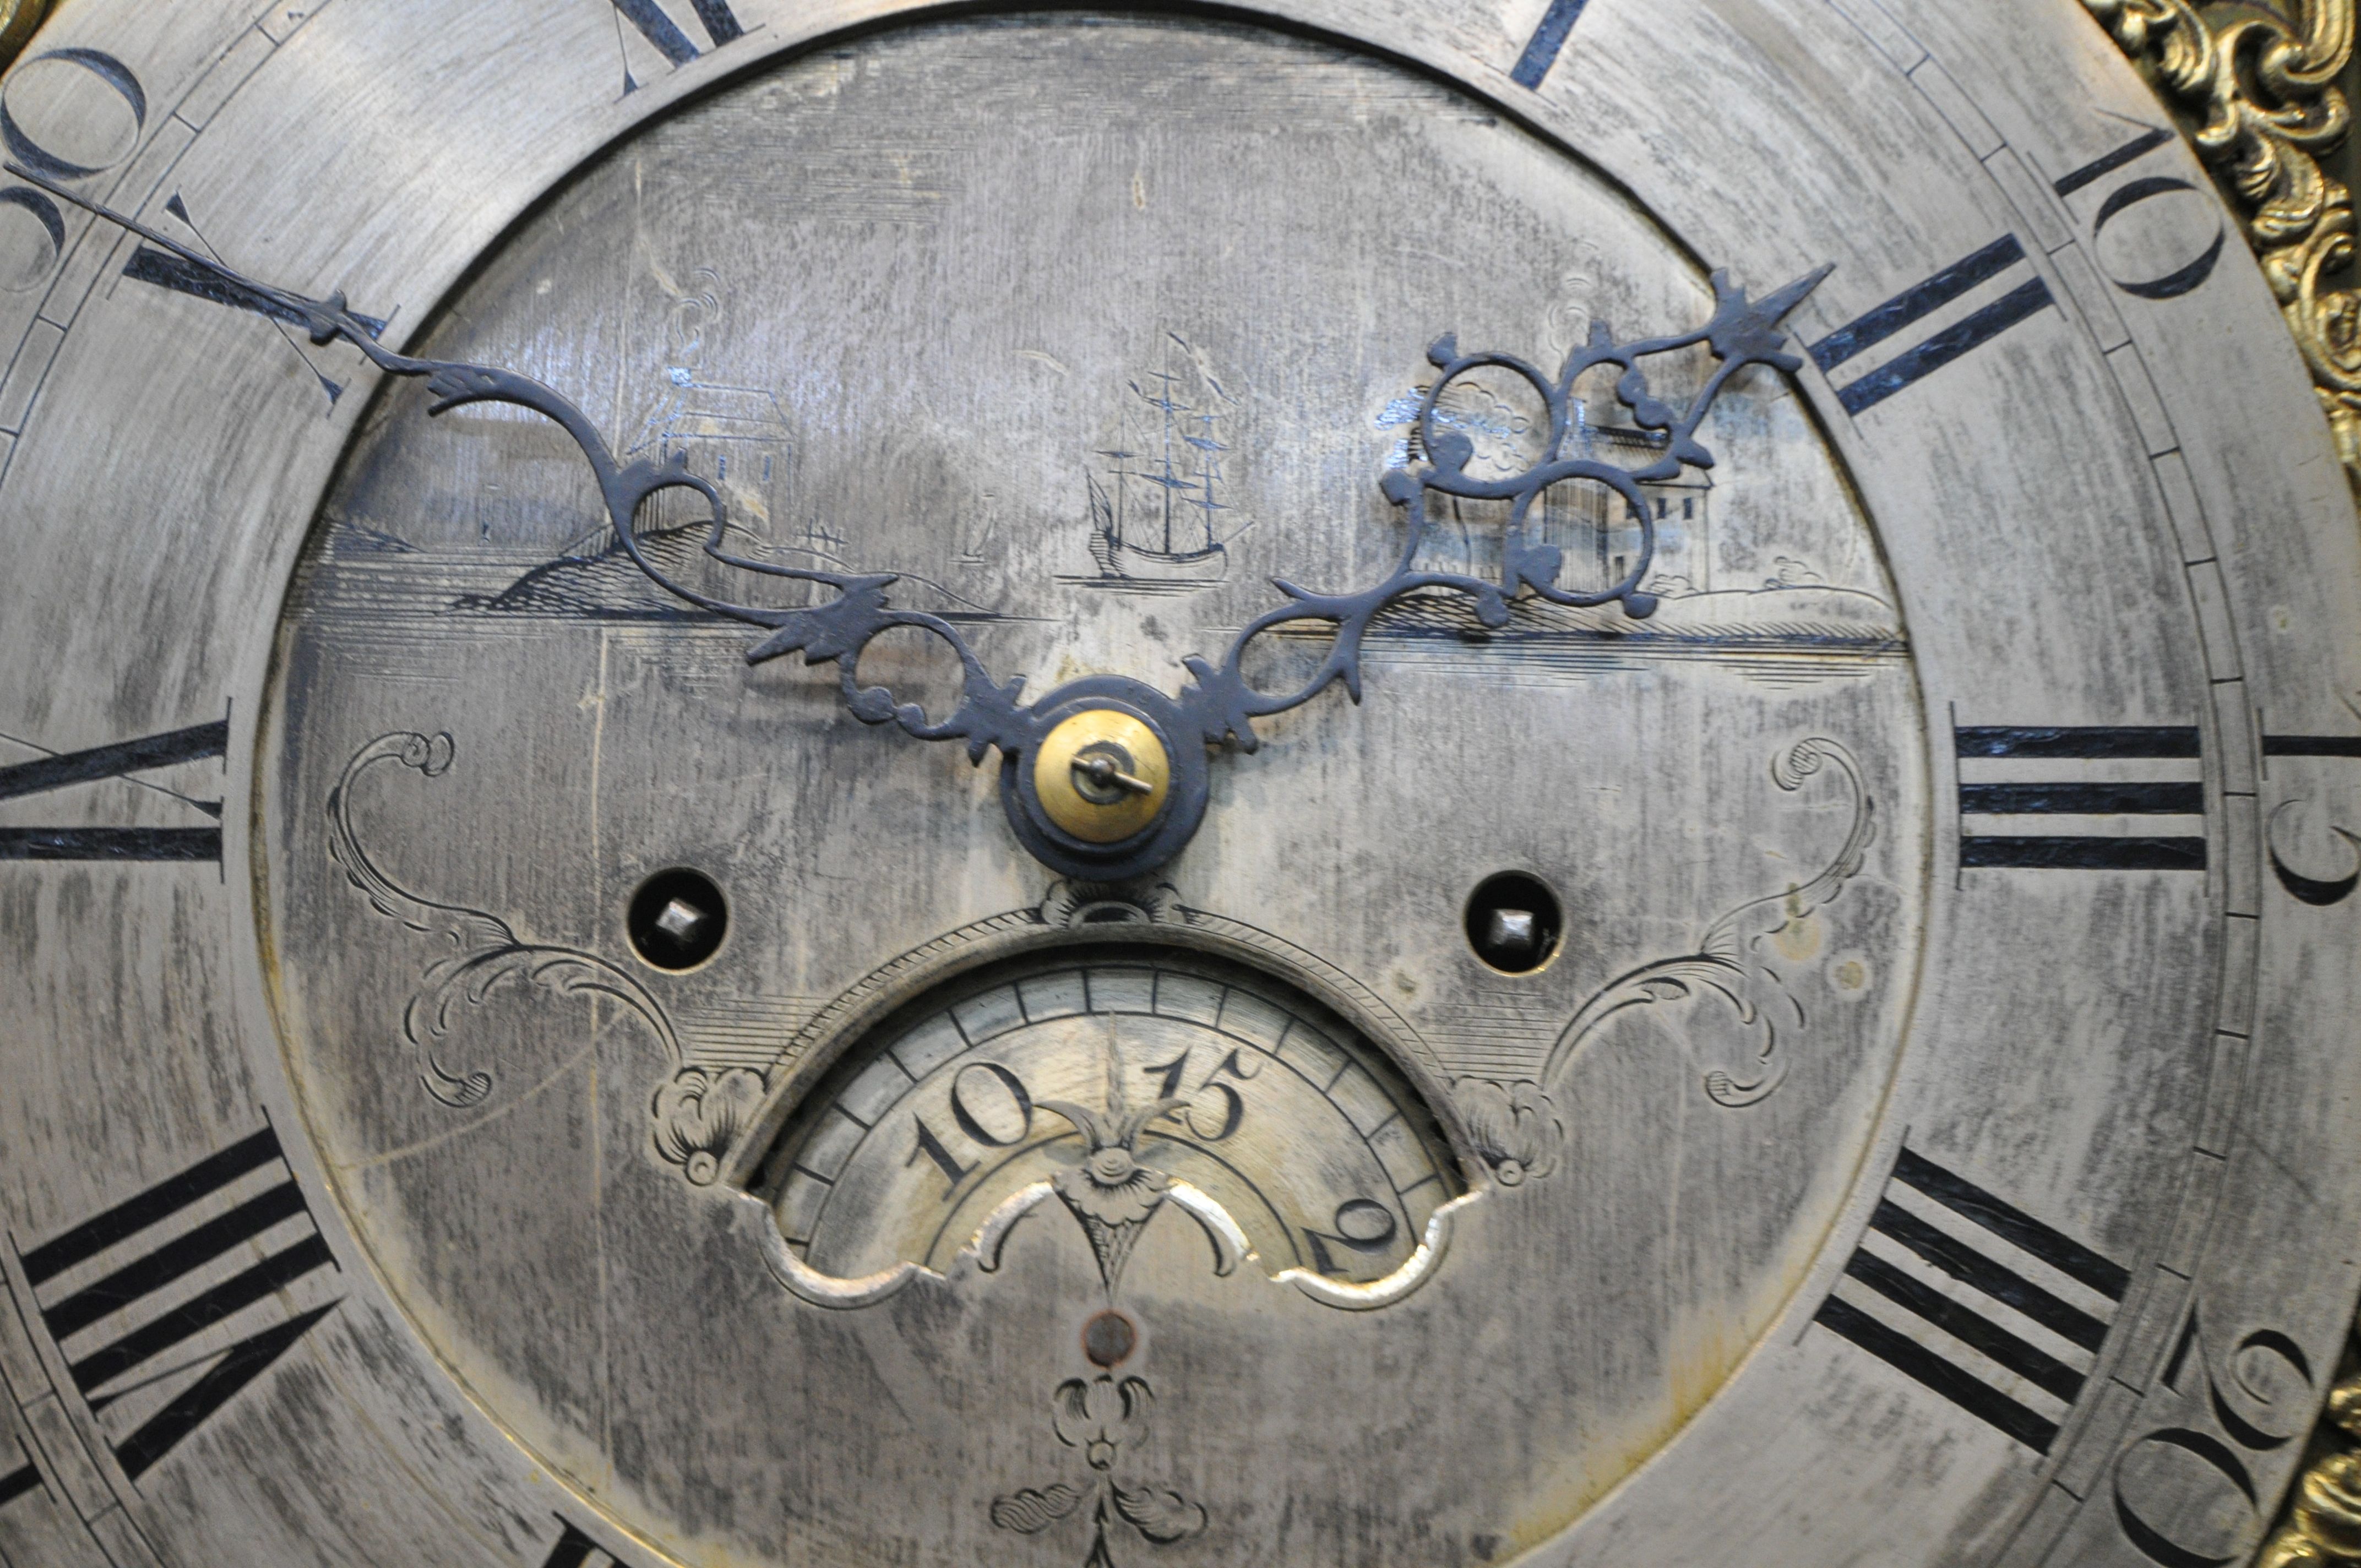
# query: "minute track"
[580,1345]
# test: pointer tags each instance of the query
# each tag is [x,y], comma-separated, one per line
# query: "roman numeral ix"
[2085,789]
[1976,1300]
[1923,299]
[122,760]
[150,1277]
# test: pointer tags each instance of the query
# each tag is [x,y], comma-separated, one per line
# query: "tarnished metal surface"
[1804,1014]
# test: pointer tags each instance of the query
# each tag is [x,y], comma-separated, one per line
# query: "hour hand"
[1105,778]
[323,319]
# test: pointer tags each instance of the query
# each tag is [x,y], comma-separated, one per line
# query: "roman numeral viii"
[1999,274]
[180,1272]
[121,760]
[2074,797]
[1976,1300]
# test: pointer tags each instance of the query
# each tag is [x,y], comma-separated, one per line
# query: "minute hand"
[1217,706]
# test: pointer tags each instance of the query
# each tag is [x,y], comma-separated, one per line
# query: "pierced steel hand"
[1132,787]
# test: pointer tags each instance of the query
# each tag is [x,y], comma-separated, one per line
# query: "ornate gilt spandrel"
[19,19]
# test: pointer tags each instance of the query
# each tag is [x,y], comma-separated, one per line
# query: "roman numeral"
[2098,168]
[1977,1300]
[147,1277]
[576,1549]
[2088,802]
[2312,745]
[2173,281]
[722,27]
[25,1478]
[1549,38]
[58,770]
[1921,299]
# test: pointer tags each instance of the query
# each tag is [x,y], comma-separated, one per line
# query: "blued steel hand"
[1216,705]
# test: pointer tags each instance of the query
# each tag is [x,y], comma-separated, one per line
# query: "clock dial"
[1643,840]
[1722,799]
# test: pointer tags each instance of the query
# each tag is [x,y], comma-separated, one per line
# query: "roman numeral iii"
[1975,1298]
[2075,797]
[163,1307]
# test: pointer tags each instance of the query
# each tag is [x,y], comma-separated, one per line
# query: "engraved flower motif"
[1111,1185]
[1100,1416]
[1513,1126]
[700,1112]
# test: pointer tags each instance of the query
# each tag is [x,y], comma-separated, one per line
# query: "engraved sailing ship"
[1156,498]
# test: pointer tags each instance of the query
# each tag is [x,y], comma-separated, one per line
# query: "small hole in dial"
[677,919]
[1108,1339]
[1513,921]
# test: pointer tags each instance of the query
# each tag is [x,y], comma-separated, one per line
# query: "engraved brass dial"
[1697,905]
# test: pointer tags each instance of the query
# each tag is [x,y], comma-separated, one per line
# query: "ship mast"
[1115,518]
[1164,478]
[1206,446]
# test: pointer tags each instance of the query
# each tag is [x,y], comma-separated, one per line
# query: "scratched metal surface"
[1089,326]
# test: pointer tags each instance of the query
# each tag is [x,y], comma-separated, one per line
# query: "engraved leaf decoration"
[1728,962]
[700,1113]
[1159,1513]
[560,971]
[485,949]
[1070,1412]
[1032,1510]
[1731,935]
[1515,1127]
[430,756]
